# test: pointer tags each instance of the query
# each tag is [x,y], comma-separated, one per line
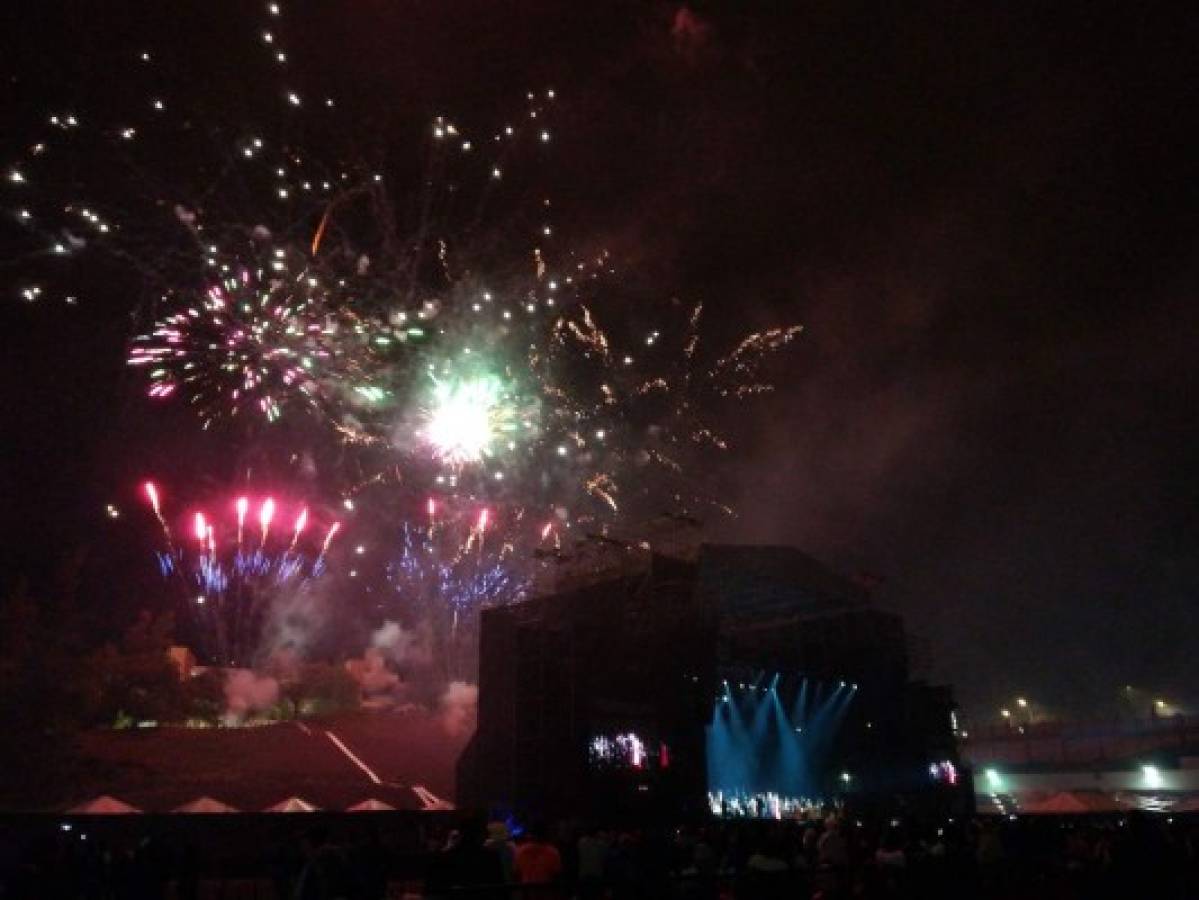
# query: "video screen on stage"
[627,750]
[943,772]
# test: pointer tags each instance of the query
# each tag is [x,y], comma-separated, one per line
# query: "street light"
[1006,713]
[1022,703]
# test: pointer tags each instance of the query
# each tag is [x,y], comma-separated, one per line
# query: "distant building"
[184,661]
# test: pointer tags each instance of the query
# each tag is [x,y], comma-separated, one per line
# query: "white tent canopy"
[429,800]
[292,805]
[1075,803]
[205,805]
[103,806]
[370,805]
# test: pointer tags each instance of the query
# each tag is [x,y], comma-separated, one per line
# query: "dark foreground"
[394,855]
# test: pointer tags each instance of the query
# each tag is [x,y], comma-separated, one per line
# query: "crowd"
[813,857]
[835,856]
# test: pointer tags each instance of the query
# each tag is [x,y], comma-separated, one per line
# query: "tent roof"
[1074,803]
[102,806]
[205,805]
[429,800]
[292,804]
[370,805]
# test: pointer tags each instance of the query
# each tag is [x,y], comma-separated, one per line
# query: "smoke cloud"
[408,647]
[373,673]
[294,622]
[247,692]
[459,707]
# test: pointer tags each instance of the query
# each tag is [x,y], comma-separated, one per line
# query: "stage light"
[1152,777]
[846,777]
[994,779]
[1021,702]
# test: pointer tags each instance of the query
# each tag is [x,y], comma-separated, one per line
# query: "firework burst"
[250,345]
[472,352]
[228,577]
[444,573]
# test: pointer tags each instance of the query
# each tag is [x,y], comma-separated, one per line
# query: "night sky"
[985,219]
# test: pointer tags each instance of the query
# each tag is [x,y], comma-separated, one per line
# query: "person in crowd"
[499,841]
[368,858]
[808,856]
[326,874]
[537,861]
[890,853]
[832,848]
[989,847]
[593,847]
[624,866]
[890,864]
[767,873]
[767,856]
[466,866]
[706,859]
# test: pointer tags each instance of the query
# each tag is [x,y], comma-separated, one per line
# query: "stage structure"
[648,683]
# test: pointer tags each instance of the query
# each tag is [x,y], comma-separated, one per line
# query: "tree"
[136,679]
[319,688]
[44,692]
[204,696]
